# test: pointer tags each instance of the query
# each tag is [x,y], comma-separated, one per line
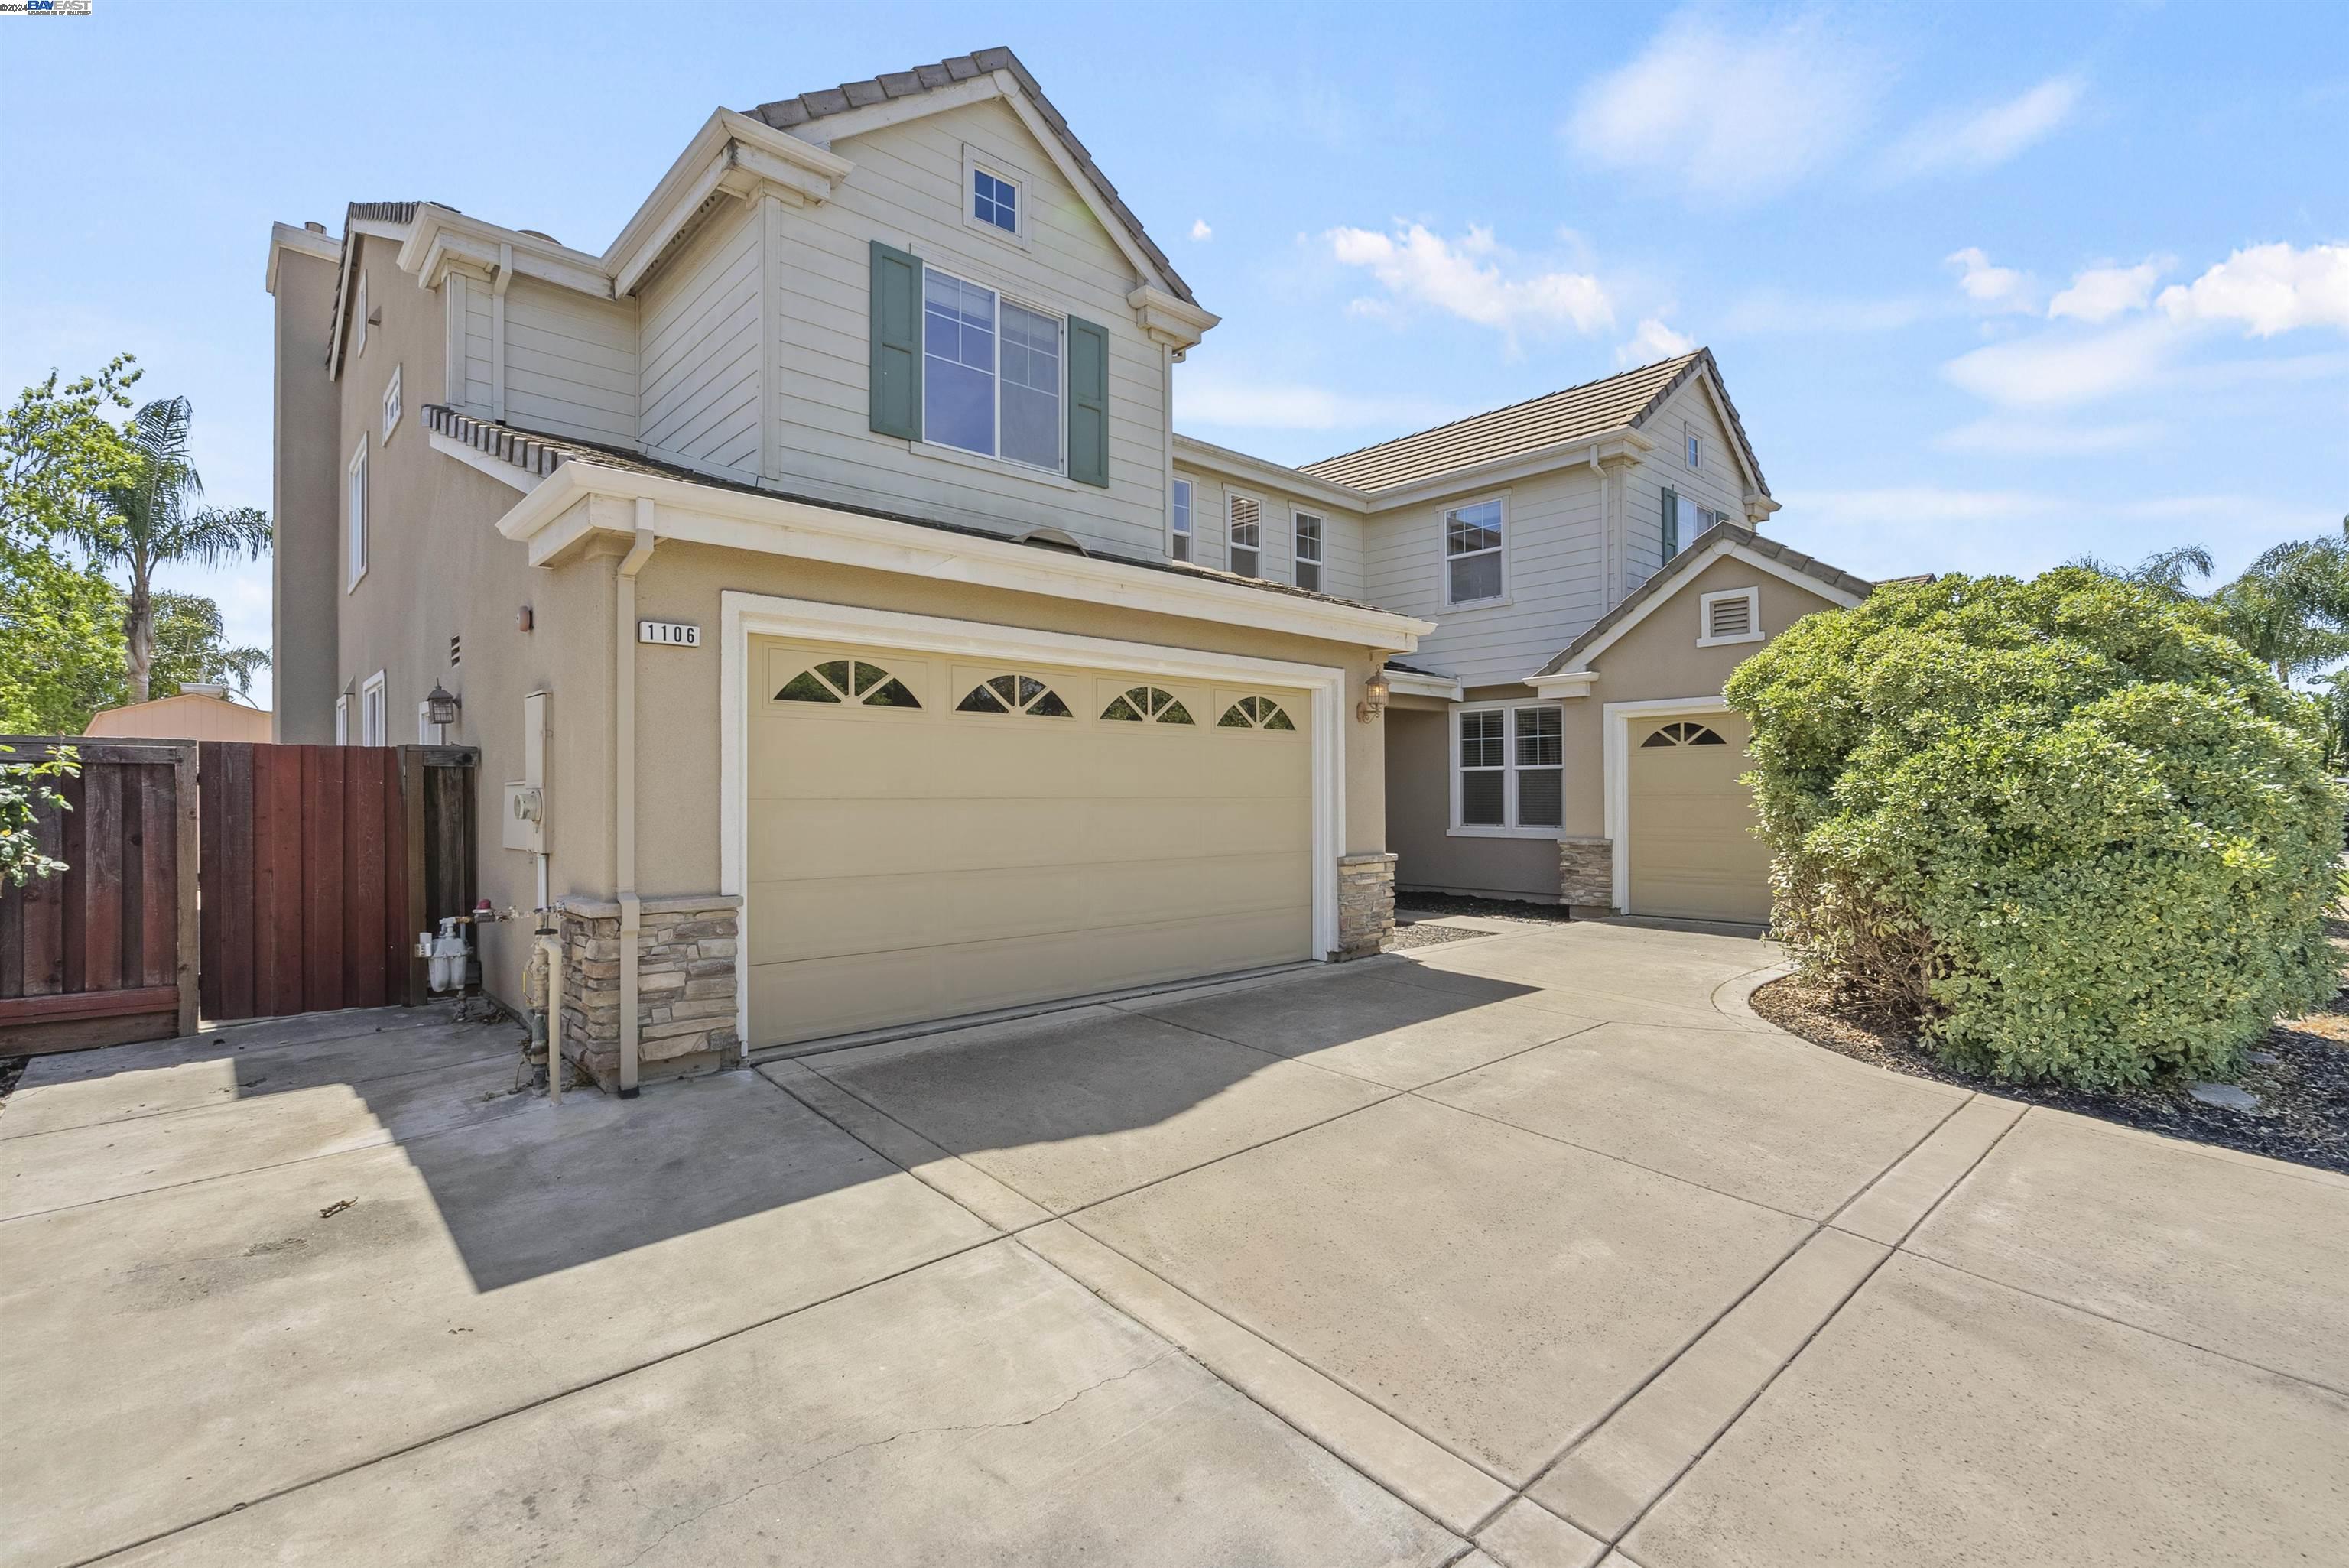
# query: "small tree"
[2067,825]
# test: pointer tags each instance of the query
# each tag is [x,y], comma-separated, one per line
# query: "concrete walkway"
[1534,1250]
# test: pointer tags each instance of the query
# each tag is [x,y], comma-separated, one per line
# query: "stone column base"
[1365,905]
[686,952]
[1586,875]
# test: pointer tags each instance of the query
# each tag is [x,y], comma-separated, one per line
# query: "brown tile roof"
[541,454]
[1668,579]
[785,114]
[1577,413]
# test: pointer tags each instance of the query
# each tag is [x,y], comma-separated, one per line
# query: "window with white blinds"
[1308,551]
[1510,768]
[1473,553]
[1180,546]
[1245,537]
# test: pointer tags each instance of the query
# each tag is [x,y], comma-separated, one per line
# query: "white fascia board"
[285,237]
[1571,684]
[442,234]
[1411,683]
[1622,443]
[1170,322]
[775,525]
[498,468]
[1726,551]
[831,128]
[710,162]
[1193,452]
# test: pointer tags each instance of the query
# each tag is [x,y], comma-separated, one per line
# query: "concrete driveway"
[1536,1248]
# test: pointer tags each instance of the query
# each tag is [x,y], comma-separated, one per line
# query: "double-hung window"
[1683,520]
[990,373]
[1510,770]
[1181,523]
[1475,553]
[1246,518]
[1308,551]
[372,718]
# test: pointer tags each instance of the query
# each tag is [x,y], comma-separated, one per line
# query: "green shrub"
[2070,828]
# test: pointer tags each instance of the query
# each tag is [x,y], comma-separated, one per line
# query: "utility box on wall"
[525,798]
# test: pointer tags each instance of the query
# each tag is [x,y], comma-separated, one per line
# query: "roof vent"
[314,226]
[203,688]
[542,234]
[1052,539]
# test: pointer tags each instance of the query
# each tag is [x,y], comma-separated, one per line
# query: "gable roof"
[1623,401]
[1722,539]
[786,114]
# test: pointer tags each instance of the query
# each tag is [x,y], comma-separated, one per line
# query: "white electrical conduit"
[623,794]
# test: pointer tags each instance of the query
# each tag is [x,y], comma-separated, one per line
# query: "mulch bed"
[2302,1114]
[1486,908]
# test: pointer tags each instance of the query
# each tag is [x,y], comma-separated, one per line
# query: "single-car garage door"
[932,834]
[1692,853]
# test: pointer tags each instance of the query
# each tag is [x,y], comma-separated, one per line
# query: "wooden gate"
[320,864]
[105,952]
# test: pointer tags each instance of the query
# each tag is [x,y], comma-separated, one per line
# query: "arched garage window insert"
[1683,735]
[1253,713]
[1014,694]
[1146,705]
[847,680]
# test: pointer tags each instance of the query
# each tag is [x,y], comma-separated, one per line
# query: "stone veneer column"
[1365,903]
[1586,875]
[686,966]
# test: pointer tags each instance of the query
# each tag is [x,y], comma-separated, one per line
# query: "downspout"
[624,783]
[498,333]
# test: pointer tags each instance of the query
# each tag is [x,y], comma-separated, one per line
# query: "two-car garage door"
[935,834]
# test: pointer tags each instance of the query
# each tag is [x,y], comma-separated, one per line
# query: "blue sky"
[1991,287]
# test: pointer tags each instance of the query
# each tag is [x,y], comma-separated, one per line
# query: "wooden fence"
[105,952]
[239,880]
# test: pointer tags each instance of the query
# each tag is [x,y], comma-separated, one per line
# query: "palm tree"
[2290,609]
[149,520]
[2165,571]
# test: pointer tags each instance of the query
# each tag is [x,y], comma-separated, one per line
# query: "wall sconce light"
[441,704]
[1374,697]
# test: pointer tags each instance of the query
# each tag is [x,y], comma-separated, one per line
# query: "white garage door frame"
[1615,748]
[745,615]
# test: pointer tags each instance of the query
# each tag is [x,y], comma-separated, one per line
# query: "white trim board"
[549,519]
[1615,750]
[743,616]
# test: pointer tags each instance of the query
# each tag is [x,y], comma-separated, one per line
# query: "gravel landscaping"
[2299,1075]
[1447,903]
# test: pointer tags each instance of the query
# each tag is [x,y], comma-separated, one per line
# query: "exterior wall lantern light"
[1374,696]
[441,704]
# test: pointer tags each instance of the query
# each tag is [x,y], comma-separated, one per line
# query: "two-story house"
[849,641]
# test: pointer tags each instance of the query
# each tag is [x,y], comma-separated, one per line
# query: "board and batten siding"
[1555,585]
[699,350]
[1341,530]
[571,363]
[906,190]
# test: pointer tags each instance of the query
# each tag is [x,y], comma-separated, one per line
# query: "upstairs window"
[391,403]
[989,365]
[1509,770]
[1181,524]
[355,516]
[1246,519]
[1473,553]
[1694,444]
[995,200]
[1308,552]
[1683,520]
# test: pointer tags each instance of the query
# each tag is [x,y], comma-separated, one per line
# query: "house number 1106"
[669,633]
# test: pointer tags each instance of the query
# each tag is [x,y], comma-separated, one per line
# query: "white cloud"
[1208,397]
[2051,372]
[2039,438]
[2270,289]
[1200,231]
[1992,288]
[2100,294]
[1985,137]
[1732,116]
[1651,341]
[1470,278]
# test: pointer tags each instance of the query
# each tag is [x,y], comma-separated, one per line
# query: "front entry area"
[930,834]
[1692,853]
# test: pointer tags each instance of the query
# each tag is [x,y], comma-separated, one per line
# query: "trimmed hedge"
[2074,831]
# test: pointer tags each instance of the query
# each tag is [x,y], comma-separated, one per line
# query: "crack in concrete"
[839,1454]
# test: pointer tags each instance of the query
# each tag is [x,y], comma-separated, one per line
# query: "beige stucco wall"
[1658,658]
[1419,821]
[304,508]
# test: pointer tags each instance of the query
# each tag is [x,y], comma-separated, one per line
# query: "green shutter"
[897,394]
[1088,403]
[1672,524]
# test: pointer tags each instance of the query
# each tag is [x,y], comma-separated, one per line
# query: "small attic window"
[994,200]
[1694,444]
[994,196]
